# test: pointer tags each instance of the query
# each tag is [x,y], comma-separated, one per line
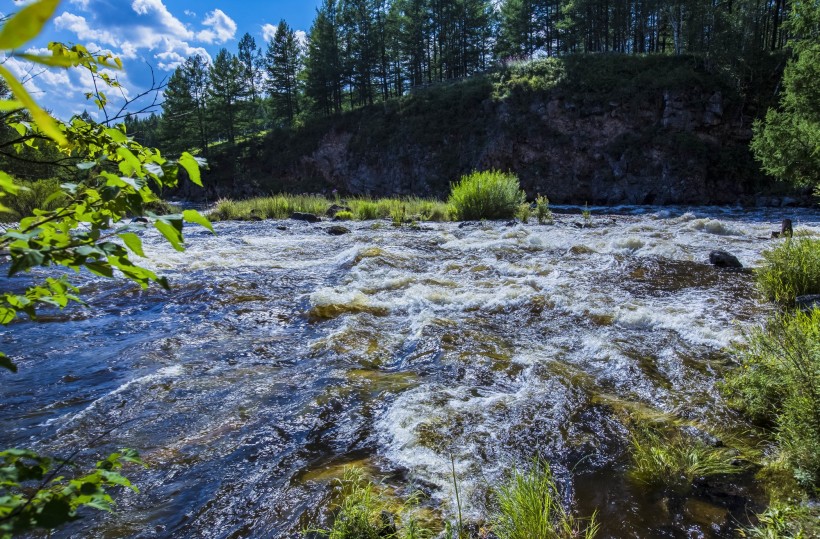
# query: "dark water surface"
[279,356]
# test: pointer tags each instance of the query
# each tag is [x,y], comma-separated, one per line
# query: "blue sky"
[143,33]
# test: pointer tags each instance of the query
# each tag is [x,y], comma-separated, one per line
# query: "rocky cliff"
[602,130]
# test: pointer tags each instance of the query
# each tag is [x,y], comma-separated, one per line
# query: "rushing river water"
[282,354]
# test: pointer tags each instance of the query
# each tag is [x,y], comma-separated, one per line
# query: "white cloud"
[190,13]
[269,31]
[82,4]
[79,25]
[221,28]
[162,21]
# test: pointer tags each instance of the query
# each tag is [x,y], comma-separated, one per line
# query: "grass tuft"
[530,507]
[674,461]
[487,195]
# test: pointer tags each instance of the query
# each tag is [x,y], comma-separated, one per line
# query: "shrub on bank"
[487,195]
[778,384]
[790,270]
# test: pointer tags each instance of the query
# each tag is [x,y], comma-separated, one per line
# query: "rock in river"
[722,259]
[337,230]
[307,217]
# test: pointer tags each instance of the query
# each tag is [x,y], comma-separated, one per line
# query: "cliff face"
[576,136]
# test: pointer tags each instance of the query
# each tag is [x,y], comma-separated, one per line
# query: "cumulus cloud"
[269,32]
[220,28]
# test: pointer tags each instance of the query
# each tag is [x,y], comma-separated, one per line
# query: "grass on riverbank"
[790,270]
[360,209]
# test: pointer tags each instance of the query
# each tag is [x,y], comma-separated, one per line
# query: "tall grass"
[362,209]
[778,384]
[674,461]
[487,195]
[790,270]
[530,507]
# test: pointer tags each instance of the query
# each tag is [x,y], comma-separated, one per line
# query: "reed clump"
[530,507]
[673,461]
[487,195]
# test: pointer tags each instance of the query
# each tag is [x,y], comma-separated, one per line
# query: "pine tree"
[323,70]
[178,132]
[283,63]
[225,94]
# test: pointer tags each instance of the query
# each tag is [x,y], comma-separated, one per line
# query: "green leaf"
[191,166]
[194,217]
[6,363]
[26,260]
[171,233]
[130,163]
[7,105]
[133,242]
[41,117]
[26,24]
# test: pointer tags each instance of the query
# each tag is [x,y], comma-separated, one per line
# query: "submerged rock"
[307,217]
[722,259]
[338,230]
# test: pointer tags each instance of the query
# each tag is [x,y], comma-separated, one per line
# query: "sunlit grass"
[359,208]
[790,270]
[673,461]
[487,195]
[530,507]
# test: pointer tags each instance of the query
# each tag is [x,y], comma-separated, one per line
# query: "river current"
[282,354]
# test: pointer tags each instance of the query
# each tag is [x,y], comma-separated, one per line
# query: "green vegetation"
[32,195]
[542,209]
[74,225]
[486,195]
[790,270]
[787,142]
[673,461]
[361,209]
[778,384]
[365,511]
[530,507]
[785,521]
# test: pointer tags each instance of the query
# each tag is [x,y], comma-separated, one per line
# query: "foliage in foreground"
[674,461]
[85,228]
[530,507]
[36,496]
[778,384]
[790,270]
[487,195]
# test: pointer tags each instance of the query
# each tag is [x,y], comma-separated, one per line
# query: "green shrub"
[34,195]
[672,461]
[790,270]
[542,208]
[487,195]
[530,507]
[778,382]
[344,216]
[524,213]
[365,210]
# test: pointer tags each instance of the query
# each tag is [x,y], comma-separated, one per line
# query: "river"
[282,354]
